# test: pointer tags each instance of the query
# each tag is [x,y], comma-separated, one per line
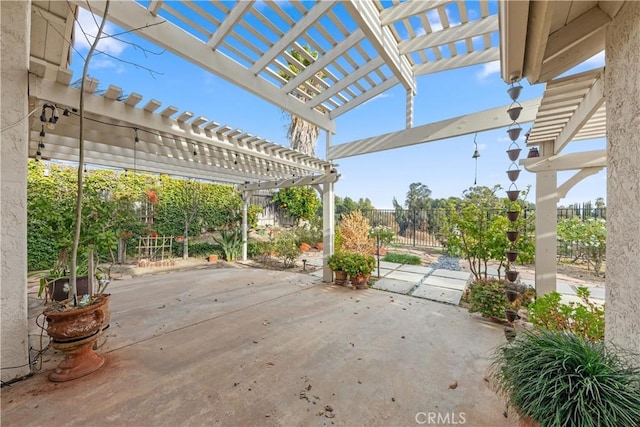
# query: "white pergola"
[364,47]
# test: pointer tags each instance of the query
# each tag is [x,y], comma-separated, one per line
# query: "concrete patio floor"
[245,346]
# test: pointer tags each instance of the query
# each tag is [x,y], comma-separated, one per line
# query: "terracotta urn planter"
[319,246]
[213,258]
[74,332]
[359,282]
[304,247]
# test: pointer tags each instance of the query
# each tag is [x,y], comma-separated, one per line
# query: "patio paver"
[406,276]
[436,293]
[462,275]
[394,285]
[445,282]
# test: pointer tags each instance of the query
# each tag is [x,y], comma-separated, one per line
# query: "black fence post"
[414,228]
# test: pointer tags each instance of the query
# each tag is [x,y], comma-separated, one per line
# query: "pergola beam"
[407,9]
[229,23]
[130,15]
[292,35]
[332,176]
[450,35]
[458,126]
[458,61]
[587,108]
[368,19]
[118,111]
[563,162]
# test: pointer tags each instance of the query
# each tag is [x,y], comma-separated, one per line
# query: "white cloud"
[88,25]
[488,69]
[379,96]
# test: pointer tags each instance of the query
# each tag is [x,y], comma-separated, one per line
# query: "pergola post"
[328,224]
[245,206]
[14,39]
[546,226]
[622,95]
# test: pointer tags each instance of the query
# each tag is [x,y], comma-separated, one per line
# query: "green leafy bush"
[257,248]
[402,258]
[560,379]
[286,248]
[487,298]
[384,233]
[357,264]
[299,202]
[337,261]
[584,319]
[588,237]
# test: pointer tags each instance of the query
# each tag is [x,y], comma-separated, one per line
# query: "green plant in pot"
[74,325]
[359,267]
[556,378]
[337,263]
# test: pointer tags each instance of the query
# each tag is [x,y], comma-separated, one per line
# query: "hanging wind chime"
[475,156]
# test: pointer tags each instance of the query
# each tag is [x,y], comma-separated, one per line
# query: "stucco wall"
[622,92]
[13,188]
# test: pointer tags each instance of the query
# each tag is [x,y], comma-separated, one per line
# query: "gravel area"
[446,262]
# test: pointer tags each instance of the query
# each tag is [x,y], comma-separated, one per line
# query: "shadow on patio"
[260,347]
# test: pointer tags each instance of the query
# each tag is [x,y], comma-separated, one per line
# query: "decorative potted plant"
[359,267]
[336,262]
[553,378]
[74,325]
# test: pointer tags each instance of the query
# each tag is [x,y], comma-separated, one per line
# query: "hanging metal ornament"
[475,156]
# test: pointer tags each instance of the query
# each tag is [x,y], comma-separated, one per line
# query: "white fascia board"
[563,162]
[463,125]
[450,35]
[130,15]
[514,16]
[366,16]
[587,108]
[459,61]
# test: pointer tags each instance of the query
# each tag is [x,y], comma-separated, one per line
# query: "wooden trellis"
[154,248]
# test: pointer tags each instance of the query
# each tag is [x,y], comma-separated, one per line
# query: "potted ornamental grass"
[557,378]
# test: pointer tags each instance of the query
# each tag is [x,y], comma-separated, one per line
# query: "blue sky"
[446,167]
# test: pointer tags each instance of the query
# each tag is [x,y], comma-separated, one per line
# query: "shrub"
[354,229]
[487,298]
[584,319]
[337,261]
[384,233]
[402,258]
[286,248]
[356,264]
[560,379]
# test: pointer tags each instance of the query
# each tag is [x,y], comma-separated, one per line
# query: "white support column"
[546,226]
[245,206]
[328,224]
[622,94]
[14,40]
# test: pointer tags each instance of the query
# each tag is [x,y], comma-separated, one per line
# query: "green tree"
[301,203]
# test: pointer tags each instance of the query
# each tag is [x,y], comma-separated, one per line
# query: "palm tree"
[302,135]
